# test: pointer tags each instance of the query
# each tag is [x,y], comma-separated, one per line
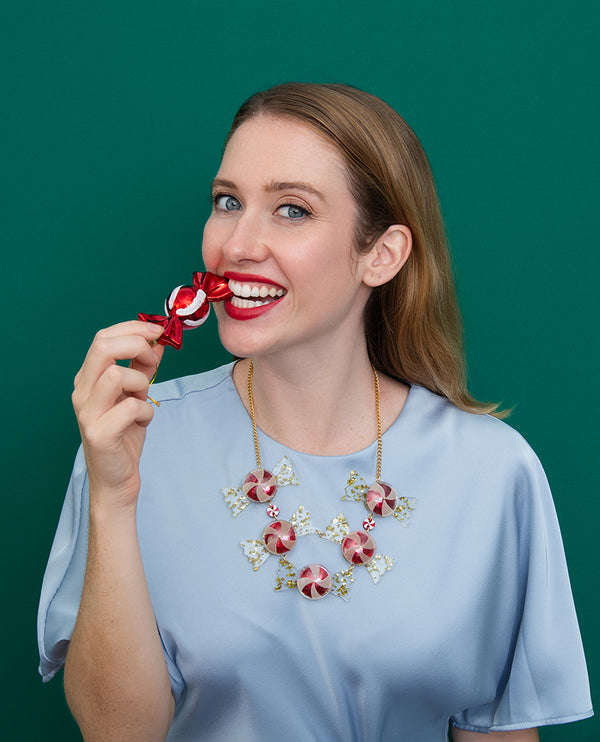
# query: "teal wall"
[113,118]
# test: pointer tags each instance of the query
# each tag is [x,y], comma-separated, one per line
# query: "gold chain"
[251,400]
[377,410]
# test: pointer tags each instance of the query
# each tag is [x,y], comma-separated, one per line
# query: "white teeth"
[236,301]
[246,290]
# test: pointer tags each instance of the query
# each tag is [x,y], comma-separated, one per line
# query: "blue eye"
[292,211]
[225,202]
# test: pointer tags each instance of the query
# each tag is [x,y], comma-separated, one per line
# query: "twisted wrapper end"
[173,332]
[215,287]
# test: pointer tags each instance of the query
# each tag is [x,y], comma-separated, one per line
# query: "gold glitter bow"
[286,577]
[283,472]
[356,491]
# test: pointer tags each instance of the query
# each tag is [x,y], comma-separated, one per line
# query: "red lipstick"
[251,312]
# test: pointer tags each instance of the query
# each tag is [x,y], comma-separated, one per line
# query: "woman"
[327,226]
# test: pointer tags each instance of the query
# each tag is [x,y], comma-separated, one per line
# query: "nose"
[245,241]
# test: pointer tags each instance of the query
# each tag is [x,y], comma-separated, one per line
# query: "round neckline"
[399,420]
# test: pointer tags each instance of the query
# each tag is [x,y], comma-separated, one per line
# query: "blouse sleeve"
[63,581]
[544,677]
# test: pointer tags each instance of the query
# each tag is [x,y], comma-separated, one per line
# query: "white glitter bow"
[356,491]
[283,472]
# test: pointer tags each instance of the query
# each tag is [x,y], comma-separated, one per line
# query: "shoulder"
[480,440]
[200,408]
[208,383]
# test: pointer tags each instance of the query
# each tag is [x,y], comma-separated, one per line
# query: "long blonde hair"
[412,324]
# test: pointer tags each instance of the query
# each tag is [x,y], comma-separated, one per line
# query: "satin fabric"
[474,625]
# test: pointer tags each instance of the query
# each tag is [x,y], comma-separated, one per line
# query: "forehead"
[281,148]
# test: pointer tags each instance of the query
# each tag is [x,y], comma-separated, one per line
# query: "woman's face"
[282,232]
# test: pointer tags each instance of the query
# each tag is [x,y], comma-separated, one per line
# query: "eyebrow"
[275,186]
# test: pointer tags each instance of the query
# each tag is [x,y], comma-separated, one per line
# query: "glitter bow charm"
[188,307]
[314,581]
[278,537]
[379,498]
[358,548]
[238,499]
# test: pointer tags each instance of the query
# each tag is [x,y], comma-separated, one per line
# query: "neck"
[318,405]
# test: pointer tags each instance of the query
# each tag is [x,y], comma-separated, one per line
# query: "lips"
[252,296]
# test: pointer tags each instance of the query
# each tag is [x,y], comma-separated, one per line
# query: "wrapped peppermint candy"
[188,306]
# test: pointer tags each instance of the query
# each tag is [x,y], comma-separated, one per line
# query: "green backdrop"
[113,119]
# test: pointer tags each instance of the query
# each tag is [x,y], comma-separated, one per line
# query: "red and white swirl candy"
[260,485]
[358,547]
[382,499]
[279,537]
[314,581]
[187,307]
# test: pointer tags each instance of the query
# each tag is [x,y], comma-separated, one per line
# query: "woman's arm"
[116,679]
[519,735]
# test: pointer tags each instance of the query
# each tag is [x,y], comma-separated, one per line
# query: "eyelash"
[306,212]
[305,215]
[217,196]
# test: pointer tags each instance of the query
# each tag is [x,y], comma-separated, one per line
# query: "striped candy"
[314,581]
[279,537]
[382,499]
[260,485]
[358,547]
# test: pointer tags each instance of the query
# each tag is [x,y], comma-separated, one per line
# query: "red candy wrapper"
[188,307]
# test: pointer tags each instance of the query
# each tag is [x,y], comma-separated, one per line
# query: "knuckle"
[100,346]
[114,374]
[75,399]
[131,405]
[82,419]
[92,435]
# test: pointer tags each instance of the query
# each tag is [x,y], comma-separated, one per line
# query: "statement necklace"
[279,537]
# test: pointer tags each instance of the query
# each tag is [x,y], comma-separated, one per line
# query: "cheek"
[209,247]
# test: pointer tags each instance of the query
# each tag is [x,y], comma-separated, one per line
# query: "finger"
[149,330]
[114,385]
[104,352]
[108,431]
[158,351]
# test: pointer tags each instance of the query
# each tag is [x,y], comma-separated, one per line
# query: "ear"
[387,256]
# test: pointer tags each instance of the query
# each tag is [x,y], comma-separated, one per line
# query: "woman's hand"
[112,410]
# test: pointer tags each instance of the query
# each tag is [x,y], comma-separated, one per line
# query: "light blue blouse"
[473,624]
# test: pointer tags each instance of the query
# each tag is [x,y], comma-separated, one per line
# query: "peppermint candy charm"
[260,485]
[382,499]
[314,581]
[358,547]
[369,523]
[272,511]
[188,306]
[279,537]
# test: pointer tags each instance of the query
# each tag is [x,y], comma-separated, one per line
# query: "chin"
[241,339]
[240,347]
